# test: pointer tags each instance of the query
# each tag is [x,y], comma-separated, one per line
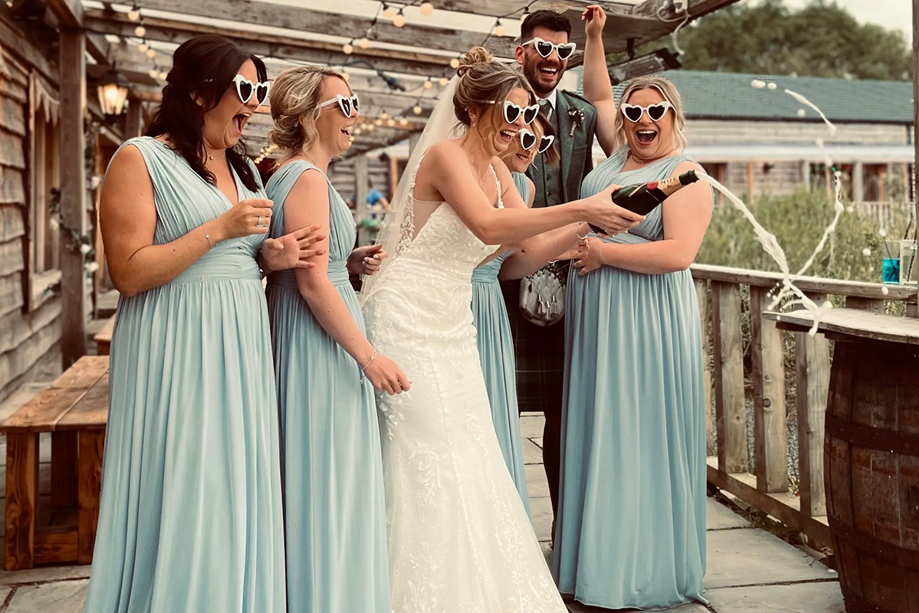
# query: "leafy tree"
[766,37]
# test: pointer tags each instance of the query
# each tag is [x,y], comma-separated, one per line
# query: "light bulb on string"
[443,81]
[426,9]
[384,115]
[388,11]
[428,84]
[140,31]
[163,75]
[403,122]
[134,14]
[151,53]
[143,46]
[371,127]
[363,43]
[378,122]
[154,73]
[499,29]
[454,63]
[399,19]
[523,17]
[391,123]
[416,110]
[347,48]
[346,76]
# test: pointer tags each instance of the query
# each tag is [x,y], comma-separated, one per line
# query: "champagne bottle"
[644,197]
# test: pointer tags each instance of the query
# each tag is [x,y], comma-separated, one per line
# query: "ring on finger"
[258,221]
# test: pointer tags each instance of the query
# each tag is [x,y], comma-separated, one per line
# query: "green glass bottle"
[644,197]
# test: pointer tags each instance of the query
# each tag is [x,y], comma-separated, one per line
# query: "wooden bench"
[103,337]
[74,410]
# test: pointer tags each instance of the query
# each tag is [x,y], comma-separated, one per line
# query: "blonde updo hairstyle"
[483,78]
[295,99]
[669,91]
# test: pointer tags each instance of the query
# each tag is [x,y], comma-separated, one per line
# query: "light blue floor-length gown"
[496,352]
[631,524]
[332,468]
[190,516]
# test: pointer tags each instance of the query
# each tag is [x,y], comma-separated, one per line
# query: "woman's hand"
[247,217]
[600,210]
[594,18]
[386,376]
[292,250]
[589,255]
[366,260]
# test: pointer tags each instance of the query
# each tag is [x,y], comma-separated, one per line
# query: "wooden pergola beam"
[348,26]
[69,14]
[288,47]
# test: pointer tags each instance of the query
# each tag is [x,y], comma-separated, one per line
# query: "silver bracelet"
[372,357]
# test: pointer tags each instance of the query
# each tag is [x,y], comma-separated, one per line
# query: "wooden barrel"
[871,457]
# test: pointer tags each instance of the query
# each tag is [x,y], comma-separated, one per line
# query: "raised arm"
[597,87]
[308,202]
[128,220]
[457,185]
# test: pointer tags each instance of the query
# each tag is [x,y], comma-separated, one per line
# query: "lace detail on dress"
[460,540]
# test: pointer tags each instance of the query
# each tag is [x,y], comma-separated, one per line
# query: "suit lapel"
[567,142]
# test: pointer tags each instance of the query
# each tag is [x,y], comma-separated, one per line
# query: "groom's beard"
[540,82]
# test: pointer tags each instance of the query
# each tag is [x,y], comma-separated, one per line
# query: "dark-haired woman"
[190,516]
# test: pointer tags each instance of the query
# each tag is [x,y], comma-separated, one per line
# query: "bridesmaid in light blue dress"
[337,557]
[631,527]
[191,516]
[496,352]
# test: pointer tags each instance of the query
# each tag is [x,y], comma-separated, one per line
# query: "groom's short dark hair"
[549,20]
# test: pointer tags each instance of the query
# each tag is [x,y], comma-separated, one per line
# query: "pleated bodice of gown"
[190,516]
[331,462]
[631,526]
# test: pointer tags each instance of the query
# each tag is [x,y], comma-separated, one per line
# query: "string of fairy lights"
[395,12]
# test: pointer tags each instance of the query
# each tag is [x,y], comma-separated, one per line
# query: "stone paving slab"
[532,453]
[531,425]
[43,575]
[541,518]
[721,517]
[822,597]
[60,597]
[577,607]
[750,556]
[537,485]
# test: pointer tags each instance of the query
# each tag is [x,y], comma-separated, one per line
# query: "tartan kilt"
[540,356]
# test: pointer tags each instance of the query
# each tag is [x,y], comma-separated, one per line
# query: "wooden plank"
[11,150]
[12,186]
[760,278]
[16,43]
[90,412]
[55,545]
[705,319]
[730,406]
[20,360]
[42,413]
[84,374]
[308,20]
[12,116]
[770,438]
[73,193]
[16,328]
[92,445]
[854,322]
[12,224]
[865,304]
[812,385]
[11,259]
[780,506]
[104,337]
[64,451]
[21,499]
[10,294]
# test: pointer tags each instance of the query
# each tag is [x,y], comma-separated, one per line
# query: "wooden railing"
[762,481]
[885,212]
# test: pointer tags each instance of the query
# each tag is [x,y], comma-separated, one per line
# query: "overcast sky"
[892,14]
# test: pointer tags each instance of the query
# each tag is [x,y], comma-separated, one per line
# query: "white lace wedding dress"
[460,540]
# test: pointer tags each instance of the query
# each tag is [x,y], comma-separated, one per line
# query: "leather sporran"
[542,294]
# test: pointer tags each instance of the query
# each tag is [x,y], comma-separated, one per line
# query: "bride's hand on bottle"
[386,376]
[600,210]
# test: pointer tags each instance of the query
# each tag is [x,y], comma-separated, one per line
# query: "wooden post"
[21,499]
[73,193]
[92,444]
[135,119]
[769,435]
[730,406]
[702,295]
[858,182]
[813,382]
[360,197]
[750,182]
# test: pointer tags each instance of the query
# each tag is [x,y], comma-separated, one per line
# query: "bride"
[460,540]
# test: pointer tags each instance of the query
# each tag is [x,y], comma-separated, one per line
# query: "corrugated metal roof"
[725,95]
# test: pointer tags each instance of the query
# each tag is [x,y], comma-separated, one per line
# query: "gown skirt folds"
[631,525]
[191,516]
[331,460]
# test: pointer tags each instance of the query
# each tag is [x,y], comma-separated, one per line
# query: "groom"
[540,351]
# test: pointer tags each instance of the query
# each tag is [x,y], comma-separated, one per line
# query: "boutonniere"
[577,118]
